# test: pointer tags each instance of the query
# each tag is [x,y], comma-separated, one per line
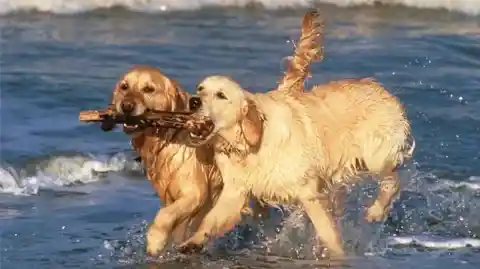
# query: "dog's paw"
[375,213]
[156,241]
[190,248]
[153,251]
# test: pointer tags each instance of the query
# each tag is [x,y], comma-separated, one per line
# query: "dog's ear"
[116,91]
[252,124]
[182,103]
[114,94]
[179,100]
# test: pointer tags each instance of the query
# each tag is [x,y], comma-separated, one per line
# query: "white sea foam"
[472,183]
[433,242]
[435,184]
[471,7]
[60,171]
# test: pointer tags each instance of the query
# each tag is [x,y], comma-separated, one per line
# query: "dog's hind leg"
[165,220]
[223,217]
[389,188]
[319,213]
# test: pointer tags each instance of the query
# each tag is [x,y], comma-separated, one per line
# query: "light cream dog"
[186,179]
[294,147]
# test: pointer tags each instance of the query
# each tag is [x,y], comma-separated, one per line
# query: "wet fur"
[294,147]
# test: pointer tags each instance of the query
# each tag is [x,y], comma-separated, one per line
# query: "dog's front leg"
[388,191]
[165,220]
[321,216]
[223,217]
[179,233]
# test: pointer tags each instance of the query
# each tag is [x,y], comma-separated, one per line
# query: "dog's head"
[232,111]
[145,88]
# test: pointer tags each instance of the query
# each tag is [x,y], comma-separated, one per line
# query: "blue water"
[71,196]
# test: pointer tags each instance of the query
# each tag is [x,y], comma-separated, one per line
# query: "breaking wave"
[471,7]
[433,242]
[62,170]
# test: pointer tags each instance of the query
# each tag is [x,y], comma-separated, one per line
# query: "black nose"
[194,103]
[127,107]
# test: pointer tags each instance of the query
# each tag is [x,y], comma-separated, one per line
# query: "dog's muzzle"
[198,132]
[127,107]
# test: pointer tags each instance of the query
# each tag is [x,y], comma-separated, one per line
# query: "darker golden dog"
[185,179]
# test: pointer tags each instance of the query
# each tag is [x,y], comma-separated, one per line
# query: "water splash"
[432,214]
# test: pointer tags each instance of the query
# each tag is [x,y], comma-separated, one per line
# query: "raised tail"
[308,49]
[411,147]
[407,152]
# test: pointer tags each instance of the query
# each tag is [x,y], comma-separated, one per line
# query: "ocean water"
[71,196]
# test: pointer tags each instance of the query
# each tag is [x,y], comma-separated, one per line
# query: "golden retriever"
[293,147]
[186,179]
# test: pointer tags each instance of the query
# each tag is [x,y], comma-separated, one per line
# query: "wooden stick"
[161,119]
[92,115]
[100,115]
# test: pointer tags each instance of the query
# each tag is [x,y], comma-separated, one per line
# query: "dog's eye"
[124,86]
[148,89]
[221,95]
[200,88]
